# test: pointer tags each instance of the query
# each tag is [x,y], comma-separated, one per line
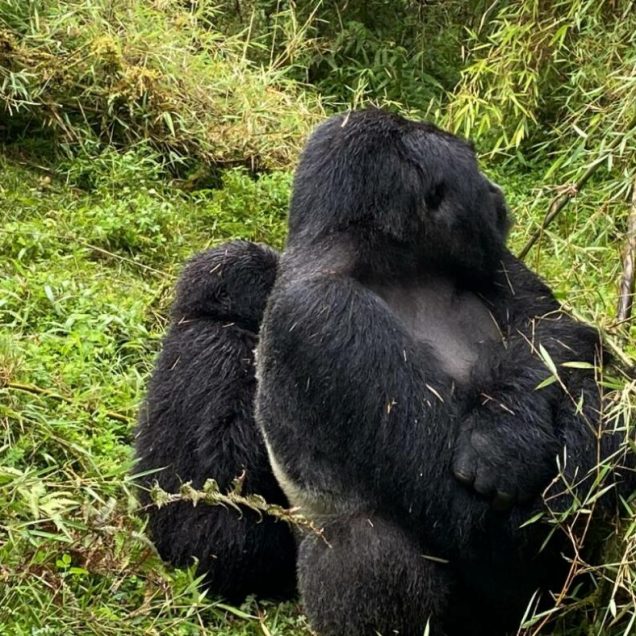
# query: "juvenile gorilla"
[399,363]
[198,423]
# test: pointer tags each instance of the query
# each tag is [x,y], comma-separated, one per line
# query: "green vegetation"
[85,285]
[137,133]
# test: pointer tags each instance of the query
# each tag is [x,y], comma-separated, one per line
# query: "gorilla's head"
[231,282]
[394,182]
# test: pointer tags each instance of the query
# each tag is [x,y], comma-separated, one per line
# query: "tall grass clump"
[405,53]
[121,71]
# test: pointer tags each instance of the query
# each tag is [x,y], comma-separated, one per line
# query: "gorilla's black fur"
[400,364]
[198,423]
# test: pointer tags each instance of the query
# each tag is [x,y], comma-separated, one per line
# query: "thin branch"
[99,250]
[626,289]
[125,259]
[36,390]
[567,194]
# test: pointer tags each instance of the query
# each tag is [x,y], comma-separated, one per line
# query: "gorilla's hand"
[507,457]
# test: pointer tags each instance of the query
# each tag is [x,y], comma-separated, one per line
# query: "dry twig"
[567,193]
[626,290]
[211,495]
[558,203]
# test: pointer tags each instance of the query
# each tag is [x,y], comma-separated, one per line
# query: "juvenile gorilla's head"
[231,282]
[392,181]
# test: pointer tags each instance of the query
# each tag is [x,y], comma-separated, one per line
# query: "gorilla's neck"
[375,258]
[362,256]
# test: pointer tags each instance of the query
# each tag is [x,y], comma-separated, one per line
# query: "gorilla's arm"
[352,406]
[511,438]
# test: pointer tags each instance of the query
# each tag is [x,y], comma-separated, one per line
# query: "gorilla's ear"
[504,221]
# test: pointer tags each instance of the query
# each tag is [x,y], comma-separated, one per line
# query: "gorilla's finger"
[485,481]
[464,467]
[482,442]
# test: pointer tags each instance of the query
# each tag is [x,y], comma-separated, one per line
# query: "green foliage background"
[135,133]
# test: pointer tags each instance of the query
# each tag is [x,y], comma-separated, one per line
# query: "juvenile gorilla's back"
[197,423]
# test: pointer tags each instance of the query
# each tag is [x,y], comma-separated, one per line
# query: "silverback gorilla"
[198,423]
[404,389]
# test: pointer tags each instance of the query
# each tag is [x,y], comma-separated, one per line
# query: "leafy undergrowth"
[160,71]
[88,257]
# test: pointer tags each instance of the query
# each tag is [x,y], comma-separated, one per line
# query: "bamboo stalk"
[559,203]
[569,192]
